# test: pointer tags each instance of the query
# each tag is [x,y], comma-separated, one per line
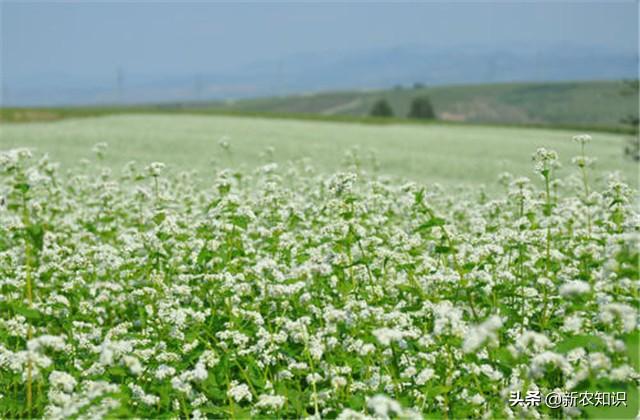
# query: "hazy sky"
[177,38]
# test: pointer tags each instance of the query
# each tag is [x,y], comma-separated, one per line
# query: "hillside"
[591,106]
[563,103]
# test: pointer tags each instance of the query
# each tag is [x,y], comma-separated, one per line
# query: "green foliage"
[421,108]
[381,108]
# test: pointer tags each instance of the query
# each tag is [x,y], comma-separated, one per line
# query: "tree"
[632,148]
[421,108]
[381,109]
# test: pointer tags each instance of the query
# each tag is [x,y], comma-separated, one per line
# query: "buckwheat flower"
[493,374]
[139,394]
[533,340]
[409,372]
[342,183]
[383,406]
[16,326]
[540,362]
[599,361]
[284,374]
[622,373]
[155,168]
[386,336]
[582,139]
[164,371]
[209,358]
[187,347]
[574,288]
[583,161]
[425,376]
[338,381]
[366,349]
[625,313]
[200,372]
[47,341]
[313,378]
[349,414]
[62,380]
[482,333]
[269,168]
[10,159]
[477,399]
[545,160]
[179,383]
[134,365]
[270,402]
[572,324]
[239,392]
[448,320]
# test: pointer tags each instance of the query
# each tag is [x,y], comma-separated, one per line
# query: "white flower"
[477,399]
[386,336]
[133,364]
[348,414]
[383,406]
[482,333]
[574,287]
[239,392]
[425,375]
[582,138]
[540,362]
[627,315]
[62,380]
[155,168]
[270,401]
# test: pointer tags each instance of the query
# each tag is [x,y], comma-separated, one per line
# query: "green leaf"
[28,313]
[440,249]
[633,349]
[35,234]
[22,187]
[159,217]
[588,342]
[434,221]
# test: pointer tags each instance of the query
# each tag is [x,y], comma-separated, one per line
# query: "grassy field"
[568,103]
[449,154]
[593,106]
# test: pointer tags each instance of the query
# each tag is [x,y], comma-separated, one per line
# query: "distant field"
[568,103]
[442,153]
[593,106]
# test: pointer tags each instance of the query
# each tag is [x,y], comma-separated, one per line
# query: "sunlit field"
[288,288]
[451,155]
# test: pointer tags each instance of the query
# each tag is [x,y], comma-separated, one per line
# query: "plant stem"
[29,292]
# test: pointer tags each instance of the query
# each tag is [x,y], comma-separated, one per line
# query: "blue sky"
[165,39]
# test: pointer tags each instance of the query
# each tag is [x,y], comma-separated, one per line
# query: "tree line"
[421,108]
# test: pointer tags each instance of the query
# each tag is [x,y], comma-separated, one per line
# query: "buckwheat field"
[282,292]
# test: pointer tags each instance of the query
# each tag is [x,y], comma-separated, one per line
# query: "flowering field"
[282,292]
[451,155]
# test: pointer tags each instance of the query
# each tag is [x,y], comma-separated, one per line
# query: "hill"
[591,106]
[562,103]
